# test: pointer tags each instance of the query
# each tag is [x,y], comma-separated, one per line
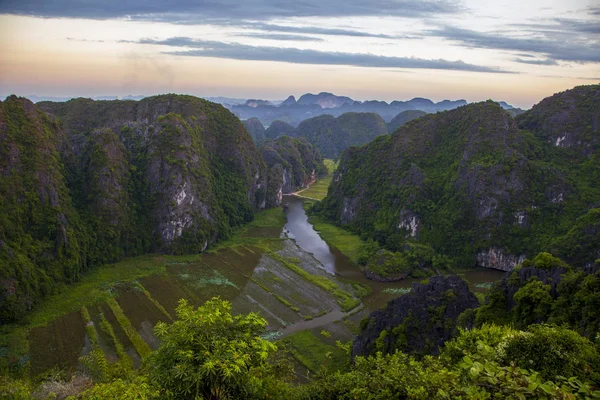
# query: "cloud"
[554,48]
[237,51]
[192,11]
[317,30]
[594,10]
[280,36]
[84,40]
[547,61]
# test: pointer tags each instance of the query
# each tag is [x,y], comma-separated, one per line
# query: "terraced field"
[259,271]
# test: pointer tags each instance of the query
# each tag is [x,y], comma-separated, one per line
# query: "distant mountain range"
[311,105]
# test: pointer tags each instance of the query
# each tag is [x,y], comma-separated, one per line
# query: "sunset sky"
[518,51]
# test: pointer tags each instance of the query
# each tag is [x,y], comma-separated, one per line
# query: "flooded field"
[293,279]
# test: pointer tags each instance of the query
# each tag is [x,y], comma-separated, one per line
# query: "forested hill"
[478,186]
[293,163]
[402,118]
[88,182]
[332,135]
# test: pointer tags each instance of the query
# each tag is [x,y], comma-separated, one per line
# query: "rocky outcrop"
[42,240]
[569,119]
[86,182]
[471,184]
[293,164]
[497,259]
[418,322]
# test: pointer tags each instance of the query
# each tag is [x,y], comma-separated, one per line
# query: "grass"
[318,190]
[278,297]
[313,354]
[108,329]
[346,242]
[345,300]
[153,300]
[397,290]
[99,285]
[273,218]
[140,345]
[95,287]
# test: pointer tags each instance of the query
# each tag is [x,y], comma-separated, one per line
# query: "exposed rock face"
[332,135]
[41,238]
[86,182]
[472,185]
[410,222]
[418,322]
[293,164]
[496,258]
[568,119]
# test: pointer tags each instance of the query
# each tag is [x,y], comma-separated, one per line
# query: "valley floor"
[263,268]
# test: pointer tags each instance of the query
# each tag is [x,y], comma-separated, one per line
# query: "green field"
[346,242]
[313,353]
[318,190]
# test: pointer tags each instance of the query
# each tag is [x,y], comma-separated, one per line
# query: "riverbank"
[317,190]
[258,269]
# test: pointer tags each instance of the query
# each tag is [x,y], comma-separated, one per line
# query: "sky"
[519,51]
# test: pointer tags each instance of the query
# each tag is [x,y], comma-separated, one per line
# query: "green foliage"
[118,192]
[470,180]
[346,242]
[533,303]
[314,354]
[575,302]
[548,261]
[293,163]
[137,389]
[332,135]
[140,345]
[553,352]
[346,301]
[15,389]
[208,352]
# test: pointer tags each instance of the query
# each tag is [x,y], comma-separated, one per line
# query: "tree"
[208,353]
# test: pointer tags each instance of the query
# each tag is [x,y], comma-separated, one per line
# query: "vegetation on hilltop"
[293,164]
[256,129]
[473,188]
[402,118]
[332,135]
[88,182]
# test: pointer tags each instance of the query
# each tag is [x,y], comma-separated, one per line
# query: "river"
[336,263]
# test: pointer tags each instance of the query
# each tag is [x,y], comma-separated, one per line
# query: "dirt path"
[297,194]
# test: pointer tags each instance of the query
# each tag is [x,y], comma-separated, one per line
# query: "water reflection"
[338,264]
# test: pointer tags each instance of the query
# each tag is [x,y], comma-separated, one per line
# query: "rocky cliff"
[293,164]
[474,185]
[418,322]
[86,182]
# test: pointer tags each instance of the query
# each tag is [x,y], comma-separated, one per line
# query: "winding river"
[335,263]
